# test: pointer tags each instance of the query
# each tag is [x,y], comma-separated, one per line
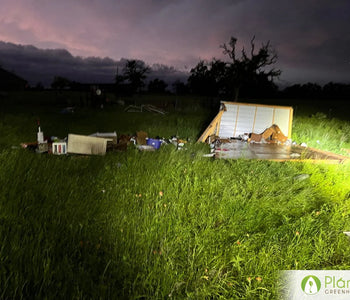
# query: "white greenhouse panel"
[282,119]
[263,117]
[228,121]
[245,120]
[241,118]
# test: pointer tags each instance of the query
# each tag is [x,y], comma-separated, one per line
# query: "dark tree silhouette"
[208,78]
[39,86]
[180,88]
[199,80]
[336,90]
[247,69]
[157,86]
[218,74]
[59,83]
[134,72]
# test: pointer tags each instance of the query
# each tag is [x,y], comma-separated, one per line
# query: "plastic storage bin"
[154,143]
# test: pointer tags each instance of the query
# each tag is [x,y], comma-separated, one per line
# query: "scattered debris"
[235,149]
[68,110]
[141,138]
[81,144]
[59,148]
[101,142]
[133,108]
[107,135]
[209,155]
[152,108]
[42,144]
[255,138]
[30,146]
[43,147]
[301,177]
[347,233]
[272,134]
[295,155]
[178,143]
[254,131]
[145,148]
[145,107]
[40,134]
[345,150]
[97,143]
[244,137]
[155,143]
[237,120]
[123,142]
[121,102]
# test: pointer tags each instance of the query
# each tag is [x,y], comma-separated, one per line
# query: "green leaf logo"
[311,285]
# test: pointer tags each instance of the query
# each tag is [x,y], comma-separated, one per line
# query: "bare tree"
[247,68]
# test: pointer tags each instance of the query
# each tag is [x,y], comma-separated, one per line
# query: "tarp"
[235,119]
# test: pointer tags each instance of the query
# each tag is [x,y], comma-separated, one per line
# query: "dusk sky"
[311,37]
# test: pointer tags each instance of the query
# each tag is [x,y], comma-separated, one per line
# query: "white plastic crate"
[59,148]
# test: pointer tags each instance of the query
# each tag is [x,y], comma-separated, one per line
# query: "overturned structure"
[256,131]
[238,119]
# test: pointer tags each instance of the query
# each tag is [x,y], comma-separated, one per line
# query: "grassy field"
[165,224]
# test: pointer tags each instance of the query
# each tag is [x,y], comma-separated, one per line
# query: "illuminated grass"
[165,224]
[99,226]
[320,132]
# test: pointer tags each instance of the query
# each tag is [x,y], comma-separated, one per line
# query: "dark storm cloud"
[311,37]
[41,65]
[155,31]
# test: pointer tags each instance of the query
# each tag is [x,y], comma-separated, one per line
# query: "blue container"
[154,143]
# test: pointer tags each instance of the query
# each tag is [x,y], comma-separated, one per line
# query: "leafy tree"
[119,79]
[305,91]
[218,74]
[333,90]
[120,86]
[199,80]
[39,86]
[60,83]
[157,86]
[134,72]
[180,88]
[248,68]
[208,78]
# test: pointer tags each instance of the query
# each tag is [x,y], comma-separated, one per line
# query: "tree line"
[248,73]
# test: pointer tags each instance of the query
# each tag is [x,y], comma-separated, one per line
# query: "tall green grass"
[164,224]
[167,224]
[324,133]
